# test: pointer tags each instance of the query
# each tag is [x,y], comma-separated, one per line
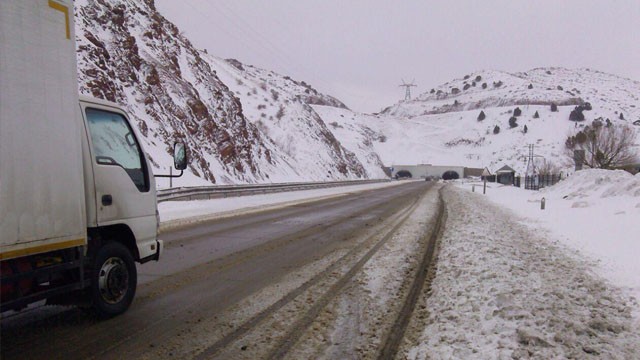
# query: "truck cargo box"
[42,205]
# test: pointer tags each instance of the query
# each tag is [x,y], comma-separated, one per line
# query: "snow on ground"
[179,213]
[594,211]
[503,291]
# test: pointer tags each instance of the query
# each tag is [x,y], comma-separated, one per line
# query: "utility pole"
[407,93]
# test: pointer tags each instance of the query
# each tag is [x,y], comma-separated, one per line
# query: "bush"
[455,91]
[559,88]
[478,78]
[587,106]
[536,115]
[433,91]
[525,129]
[513,122]
[530,86]
[481,116]
[497,84]
[484,85]
[605,147]
[496,130]
[517,112]
[621,116]
[466,87]
[576,114]
[554,107]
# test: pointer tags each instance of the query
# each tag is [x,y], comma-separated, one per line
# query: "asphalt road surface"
[218,285]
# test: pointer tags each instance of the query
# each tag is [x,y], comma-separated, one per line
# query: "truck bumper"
[156,255]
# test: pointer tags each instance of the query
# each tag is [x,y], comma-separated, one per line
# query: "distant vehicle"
[77,195]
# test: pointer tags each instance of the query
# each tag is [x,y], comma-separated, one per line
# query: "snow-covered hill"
[244,124]
[441,126]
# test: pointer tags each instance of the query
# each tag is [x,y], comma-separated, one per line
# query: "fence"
[535,182]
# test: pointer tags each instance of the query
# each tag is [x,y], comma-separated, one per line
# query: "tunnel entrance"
[450,175]
[403,174]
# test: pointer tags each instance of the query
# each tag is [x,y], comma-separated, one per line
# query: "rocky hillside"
[130,54]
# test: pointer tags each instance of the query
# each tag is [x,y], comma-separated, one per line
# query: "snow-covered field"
[503,290]
[596,212]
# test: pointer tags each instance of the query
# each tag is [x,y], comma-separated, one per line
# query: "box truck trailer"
[77,195]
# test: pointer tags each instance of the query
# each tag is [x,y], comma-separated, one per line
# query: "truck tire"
[113,281]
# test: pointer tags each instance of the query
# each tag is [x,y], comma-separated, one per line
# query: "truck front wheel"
[114,279]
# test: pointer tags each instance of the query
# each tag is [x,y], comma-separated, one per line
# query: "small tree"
[496,130]
[481,116]
[536,115]
[513,122]
[605,147]
[621,116]
[530,86]
[576,114]
[525,129]
[554,107]
[517,112]
[484,85]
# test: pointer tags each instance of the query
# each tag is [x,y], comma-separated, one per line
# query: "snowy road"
[291,282]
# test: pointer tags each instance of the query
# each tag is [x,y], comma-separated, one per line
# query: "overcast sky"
[358,50]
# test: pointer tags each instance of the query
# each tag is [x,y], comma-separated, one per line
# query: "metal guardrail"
[223,191]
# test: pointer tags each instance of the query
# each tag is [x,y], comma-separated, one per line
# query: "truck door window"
[114,144]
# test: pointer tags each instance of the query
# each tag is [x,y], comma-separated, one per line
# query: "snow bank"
[502,291]
[594,211]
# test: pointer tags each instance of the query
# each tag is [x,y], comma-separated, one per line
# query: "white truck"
[77,195]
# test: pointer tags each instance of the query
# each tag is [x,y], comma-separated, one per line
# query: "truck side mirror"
[179,156]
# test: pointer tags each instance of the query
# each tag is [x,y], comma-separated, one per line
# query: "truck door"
[124,186]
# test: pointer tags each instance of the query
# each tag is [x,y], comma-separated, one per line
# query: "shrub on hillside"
[525,129]
[455,91]
[497,84]
[478,78]
[513,122]
[484,85]
[576,114]
[481,116]
[517,112]
[530,86]
[466,87]
[496,129]
[554,107]
[559,88]
[536,115]
[587,106]
[621,116]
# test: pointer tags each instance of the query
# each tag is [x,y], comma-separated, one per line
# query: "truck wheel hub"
[113,280]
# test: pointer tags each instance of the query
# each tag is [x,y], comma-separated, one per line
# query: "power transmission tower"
[407,93]
[531,165]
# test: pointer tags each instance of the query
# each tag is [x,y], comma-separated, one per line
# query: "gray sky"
[358,50]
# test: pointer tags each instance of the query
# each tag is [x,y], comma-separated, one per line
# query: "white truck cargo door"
[124,185]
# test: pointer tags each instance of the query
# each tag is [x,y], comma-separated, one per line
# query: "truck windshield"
[114,144]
